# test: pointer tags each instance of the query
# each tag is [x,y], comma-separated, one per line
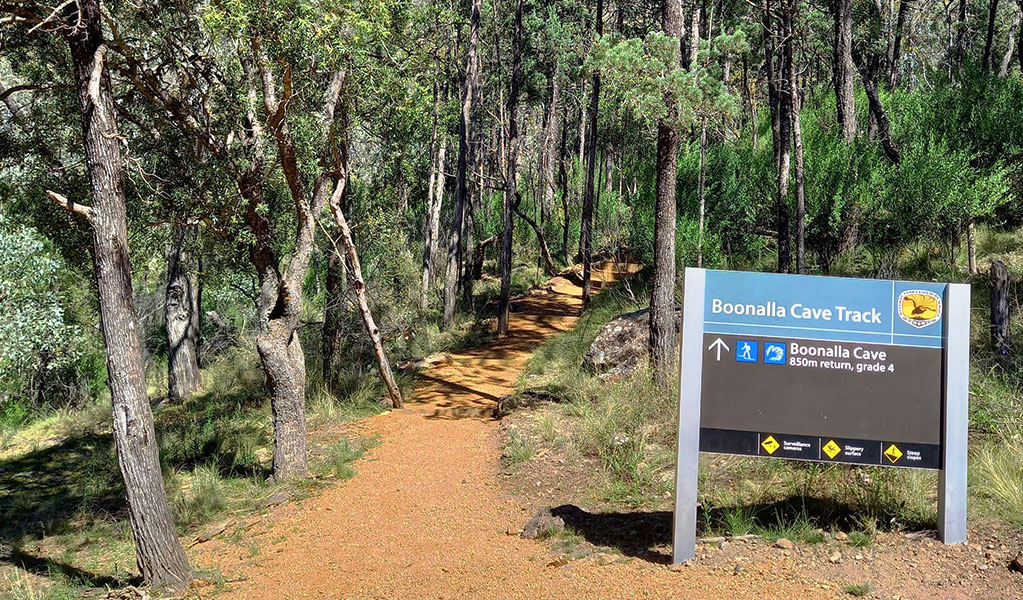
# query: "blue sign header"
[836,309]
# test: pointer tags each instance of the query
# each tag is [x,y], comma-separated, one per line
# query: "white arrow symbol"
[718,345]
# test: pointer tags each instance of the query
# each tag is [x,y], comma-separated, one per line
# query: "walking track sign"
[824,369]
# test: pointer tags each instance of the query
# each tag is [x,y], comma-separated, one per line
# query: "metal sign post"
[823,369]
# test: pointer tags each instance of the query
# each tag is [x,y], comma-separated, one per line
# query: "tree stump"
[1000,308]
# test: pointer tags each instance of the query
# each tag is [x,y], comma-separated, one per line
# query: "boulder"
[543,524]
[622,345]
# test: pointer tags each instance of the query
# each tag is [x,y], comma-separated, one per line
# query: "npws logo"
[919,308]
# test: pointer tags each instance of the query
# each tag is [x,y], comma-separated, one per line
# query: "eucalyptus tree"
[511,179]
[160,558]
[662,300]
[586,227]
[455,240]
[238,70]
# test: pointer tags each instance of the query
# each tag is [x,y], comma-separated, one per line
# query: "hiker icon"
[746,351]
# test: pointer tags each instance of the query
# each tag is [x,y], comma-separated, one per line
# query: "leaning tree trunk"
[160,559]
[511,178]
[586,228]
[662,300]
[461,189]
[867,66]
[359,285]
[181,315]
[545,253]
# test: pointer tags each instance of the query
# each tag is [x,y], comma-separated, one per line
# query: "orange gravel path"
[426,516]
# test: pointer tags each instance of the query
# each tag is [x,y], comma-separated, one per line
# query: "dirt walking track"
[427,517]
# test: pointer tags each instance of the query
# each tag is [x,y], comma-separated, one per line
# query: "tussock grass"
[859,590]
[997,467]
[338,459]
[519,448]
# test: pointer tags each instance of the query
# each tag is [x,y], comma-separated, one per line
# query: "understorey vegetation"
[230,228]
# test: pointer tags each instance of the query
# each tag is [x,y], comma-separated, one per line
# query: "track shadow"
[647,535]
[47,567]
[633,534]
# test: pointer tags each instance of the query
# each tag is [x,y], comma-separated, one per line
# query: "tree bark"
[662,300]
[797,140]
[783,143]
[461,189]
[479,253]
[971,248]
[992,11]
[1010,47]
[332,332]
[280,295]
[359,286]
[511,181]
[160,558]
[702,185]
[181,316]
[546,177]
[1000,332]
[545,254]
[844,70]
[586,228]
[959,52]
[905,6]
[867,66]
[563,185]
[435,194]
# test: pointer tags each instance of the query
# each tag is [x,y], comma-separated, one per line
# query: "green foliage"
[860,539]
[47,357]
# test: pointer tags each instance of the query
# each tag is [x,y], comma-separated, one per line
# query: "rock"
[835,558]
[621,346]
[429,361]
[128,593]
[1016,564]
[737,569]
[543,524]
[841,536]
[723,544]
[784,544]
[278,498]
[528,399]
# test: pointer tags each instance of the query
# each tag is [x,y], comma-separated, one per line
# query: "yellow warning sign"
[832,449]
[770,444]
[893,453]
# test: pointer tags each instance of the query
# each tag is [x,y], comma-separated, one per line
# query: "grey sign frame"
[955,426]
